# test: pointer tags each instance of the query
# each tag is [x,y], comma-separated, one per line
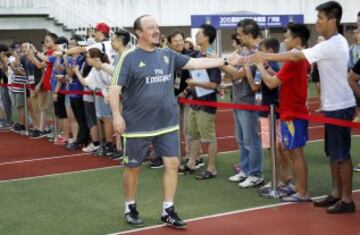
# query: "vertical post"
[56,130]
[218,43]
[26,111]
[266,32]
[274,177]
[98,121]
[180,119]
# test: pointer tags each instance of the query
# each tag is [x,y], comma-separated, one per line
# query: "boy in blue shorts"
[293,96]
[337,101]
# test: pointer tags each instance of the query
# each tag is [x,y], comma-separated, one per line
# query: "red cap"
[102,27]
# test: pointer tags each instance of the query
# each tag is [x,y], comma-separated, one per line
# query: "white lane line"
[43,159]
[59,174]
[86,154]
[120,166]
[319,140]
[222,214]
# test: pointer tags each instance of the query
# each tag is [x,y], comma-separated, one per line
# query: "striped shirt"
[17,80]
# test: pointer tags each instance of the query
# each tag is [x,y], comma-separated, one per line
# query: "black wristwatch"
[226,61]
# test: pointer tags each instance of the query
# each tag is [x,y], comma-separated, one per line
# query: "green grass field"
[92,202]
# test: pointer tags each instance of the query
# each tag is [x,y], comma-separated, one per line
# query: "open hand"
[119,124]
[236,59]
[256,58]
[190,82]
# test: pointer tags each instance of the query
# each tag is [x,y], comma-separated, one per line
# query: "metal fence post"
[26,111]
[101,136]
[56,130]
[274,178]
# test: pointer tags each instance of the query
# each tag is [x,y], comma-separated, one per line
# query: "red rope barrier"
[65,92]
[225,105]
[310,117]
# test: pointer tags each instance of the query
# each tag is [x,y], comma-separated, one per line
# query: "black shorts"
[315,76]
[135,149]
[90,114]
[59,107]
[337,138]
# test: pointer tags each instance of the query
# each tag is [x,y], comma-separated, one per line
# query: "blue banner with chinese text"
[230,21]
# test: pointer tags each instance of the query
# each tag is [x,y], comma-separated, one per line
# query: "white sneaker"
[266,186]
[240,177]
[90,148]
[251,181]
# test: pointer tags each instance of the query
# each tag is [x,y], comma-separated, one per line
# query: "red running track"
[21,157]
[275,220]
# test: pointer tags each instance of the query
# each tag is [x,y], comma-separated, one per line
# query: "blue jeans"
[248,140]
[5,97]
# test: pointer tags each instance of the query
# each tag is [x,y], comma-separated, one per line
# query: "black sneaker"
[18,128]
[326,202]
[7,125]
[132,217]
[117,155]
[47,132]
[157,163]
[172,219]
[36,134]
[74,146]
[341,207]
[100,152]
[22,130]
[109,149]
[198,163]
[185,170]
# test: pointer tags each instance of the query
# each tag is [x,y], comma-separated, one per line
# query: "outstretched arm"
[206,63]
[271,81]
[259,57]
[76,51]
[235,73]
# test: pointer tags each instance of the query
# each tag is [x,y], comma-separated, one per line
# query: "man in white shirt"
[103,43]
[337,101]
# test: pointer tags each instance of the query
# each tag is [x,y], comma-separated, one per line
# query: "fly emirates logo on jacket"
[159,77]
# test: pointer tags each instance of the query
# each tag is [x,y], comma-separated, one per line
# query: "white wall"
[178,12]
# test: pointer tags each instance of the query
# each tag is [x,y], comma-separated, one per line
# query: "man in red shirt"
[292,79]
[43,88]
